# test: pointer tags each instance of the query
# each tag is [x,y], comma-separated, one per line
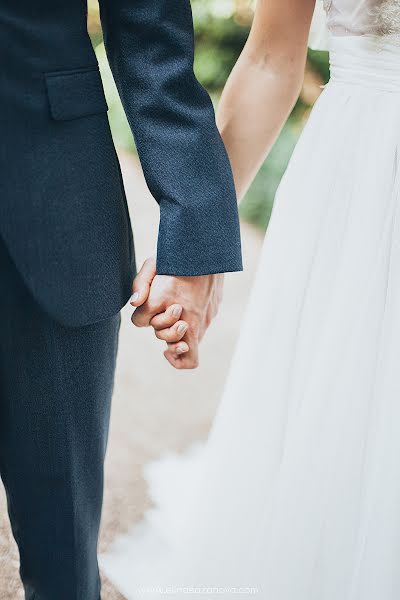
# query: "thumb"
[142,282]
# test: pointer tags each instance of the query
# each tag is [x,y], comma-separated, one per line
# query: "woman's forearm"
[264,84]
[255,104]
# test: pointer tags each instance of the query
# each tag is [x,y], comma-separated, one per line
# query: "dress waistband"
[369,61]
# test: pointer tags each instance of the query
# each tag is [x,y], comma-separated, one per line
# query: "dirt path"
[155,408]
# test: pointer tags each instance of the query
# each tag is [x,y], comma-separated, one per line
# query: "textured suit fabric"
[55,391]
[63,212]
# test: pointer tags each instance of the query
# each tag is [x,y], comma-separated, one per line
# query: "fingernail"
[180,350]
[182,328]
[177,311]
[134,297]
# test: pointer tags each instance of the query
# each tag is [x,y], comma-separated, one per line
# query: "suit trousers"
[55,394]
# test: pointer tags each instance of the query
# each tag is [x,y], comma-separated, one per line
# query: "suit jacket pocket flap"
[76,93]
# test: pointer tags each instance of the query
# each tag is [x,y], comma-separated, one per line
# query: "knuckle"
[139,320]
[135,320]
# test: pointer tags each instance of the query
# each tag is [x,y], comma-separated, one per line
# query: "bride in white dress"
[296,495]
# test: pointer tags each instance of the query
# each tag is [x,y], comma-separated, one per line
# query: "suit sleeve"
[149,45]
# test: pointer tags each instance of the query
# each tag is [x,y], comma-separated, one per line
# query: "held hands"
[179,309]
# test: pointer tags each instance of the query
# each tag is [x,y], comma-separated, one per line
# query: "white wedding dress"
[296,495]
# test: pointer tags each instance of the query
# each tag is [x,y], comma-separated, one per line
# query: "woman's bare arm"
[264,85]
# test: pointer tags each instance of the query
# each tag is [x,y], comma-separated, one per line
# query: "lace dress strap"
[319,33]
[345,18]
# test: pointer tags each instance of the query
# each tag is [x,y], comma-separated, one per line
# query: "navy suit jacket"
[63,211]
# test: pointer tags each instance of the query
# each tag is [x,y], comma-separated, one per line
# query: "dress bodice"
[354,17]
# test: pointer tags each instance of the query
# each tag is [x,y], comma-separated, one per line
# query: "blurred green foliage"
[219,41]
[221,30]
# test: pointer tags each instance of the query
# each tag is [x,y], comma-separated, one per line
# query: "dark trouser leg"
[55,391]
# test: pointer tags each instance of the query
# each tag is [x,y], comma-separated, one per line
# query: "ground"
[154,407]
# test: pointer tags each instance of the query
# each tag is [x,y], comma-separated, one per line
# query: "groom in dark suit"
[66,251]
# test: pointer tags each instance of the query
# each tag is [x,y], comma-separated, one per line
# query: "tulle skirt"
[296,495]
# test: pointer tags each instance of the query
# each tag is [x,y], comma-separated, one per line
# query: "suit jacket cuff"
[198,241]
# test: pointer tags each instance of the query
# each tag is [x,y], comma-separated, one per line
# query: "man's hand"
[180,309]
